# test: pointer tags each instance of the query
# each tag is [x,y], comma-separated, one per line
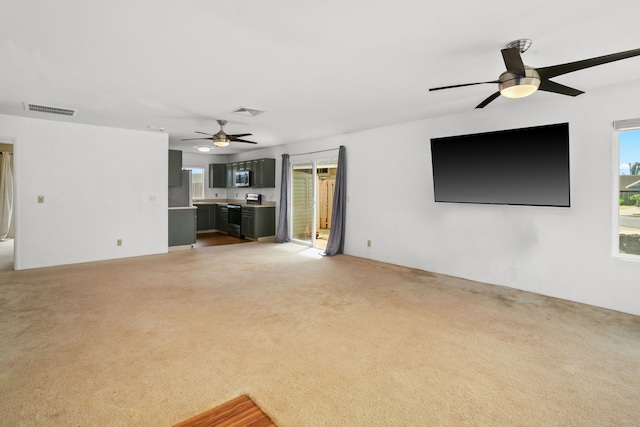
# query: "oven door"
[235,220]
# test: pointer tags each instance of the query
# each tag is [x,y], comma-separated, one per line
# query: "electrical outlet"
[216,194]
[40,199]
[369,243]
[119,242]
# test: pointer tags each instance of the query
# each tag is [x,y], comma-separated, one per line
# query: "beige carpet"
[314,341]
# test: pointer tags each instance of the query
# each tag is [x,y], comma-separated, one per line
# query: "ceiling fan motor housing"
[221,139]
[514,85]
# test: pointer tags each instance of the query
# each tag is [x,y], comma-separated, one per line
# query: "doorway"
[312,187]
[6,206]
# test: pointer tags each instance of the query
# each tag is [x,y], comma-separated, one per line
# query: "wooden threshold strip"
[239,412]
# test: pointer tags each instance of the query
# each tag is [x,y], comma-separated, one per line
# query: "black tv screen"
[528,166]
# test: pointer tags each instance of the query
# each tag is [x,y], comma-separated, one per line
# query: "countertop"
[233,202]
[171,208]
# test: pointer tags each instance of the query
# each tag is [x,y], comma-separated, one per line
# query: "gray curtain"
[282,233]
[335,244]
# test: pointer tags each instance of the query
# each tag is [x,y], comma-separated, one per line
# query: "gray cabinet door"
[222,218]
[269,172]
[265,221]
[248,224]
[175,168]
[201,214]
[182,227]
[207,216]
[258,173]
[259,222]
[230,175]
[217,175]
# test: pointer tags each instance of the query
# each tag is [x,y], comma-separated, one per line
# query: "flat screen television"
[528,166]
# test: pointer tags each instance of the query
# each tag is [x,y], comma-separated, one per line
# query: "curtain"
[6,196]
[335,244]
[282,232]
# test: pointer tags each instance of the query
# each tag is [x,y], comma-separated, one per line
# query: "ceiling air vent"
[251,112]
[49,109]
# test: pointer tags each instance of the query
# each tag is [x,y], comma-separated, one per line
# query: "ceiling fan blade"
[244,140]
[204,133]
[549,86]
[193,139]
[513,61]
[558,70]
[238,135]
[488,100]
[464,84]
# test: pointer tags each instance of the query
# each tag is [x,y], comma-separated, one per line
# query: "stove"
[254,199]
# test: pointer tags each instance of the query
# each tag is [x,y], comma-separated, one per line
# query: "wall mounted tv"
[528,166]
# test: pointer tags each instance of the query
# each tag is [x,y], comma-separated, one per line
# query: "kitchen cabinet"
[264,173]
[217,175]
[232,168]
[175,168]
[258,221]
[222,218]
[182,226]
[206,214]
[230,175]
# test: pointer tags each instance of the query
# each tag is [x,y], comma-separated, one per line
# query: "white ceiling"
[317,68]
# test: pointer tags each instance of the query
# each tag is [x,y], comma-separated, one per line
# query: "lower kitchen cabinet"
[258,221]
[182,226]
[222,218]
[206,217]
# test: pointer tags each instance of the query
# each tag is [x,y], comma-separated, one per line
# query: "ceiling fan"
[221,139]
[522,80]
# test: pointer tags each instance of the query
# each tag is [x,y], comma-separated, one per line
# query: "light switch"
[40,199]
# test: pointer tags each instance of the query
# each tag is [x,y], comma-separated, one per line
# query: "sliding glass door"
[312,186]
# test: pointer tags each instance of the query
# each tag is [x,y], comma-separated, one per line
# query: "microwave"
[243,179]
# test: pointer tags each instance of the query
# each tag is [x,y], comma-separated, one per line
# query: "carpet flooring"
[315,341]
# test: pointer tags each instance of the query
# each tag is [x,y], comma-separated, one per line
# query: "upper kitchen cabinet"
[175,168]
[264,172]
[217,175]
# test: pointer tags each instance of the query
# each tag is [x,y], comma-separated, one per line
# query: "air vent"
[49,109]
[251,112]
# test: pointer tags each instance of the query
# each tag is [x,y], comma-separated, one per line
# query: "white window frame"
[619,127]
[204,180]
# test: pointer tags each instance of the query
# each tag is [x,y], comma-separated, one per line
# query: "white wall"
[561,252]
[99,185]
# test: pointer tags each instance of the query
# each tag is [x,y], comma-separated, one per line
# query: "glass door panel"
[302,203]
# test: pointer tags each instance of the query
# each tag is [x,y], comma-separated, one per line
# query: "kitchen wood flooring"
[216,239]
[238,412]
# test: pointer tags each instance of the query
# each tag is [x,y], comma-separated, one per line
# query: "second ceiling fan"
[222,139]
[522,80]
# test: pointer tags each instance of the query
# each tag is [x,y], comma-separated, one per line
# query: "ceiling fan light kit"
[516,86]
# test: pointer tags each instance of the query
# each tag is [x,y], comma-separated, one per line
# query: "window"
[197,181]
[628,189]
